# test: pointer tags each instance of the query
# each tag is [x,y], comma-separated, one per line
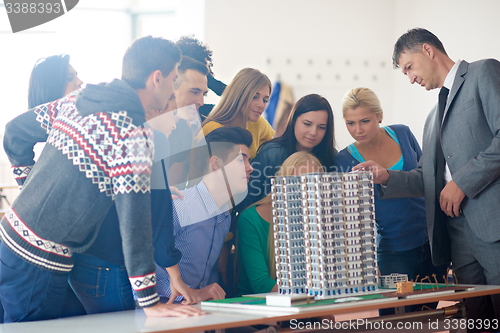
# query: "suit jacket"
[470,139]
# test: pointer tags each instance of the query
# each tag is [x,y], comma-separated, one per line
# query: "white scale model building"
[391,281]
[324,234]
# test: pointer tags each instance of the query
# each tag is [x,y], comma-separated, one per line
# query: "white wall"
[468,30]
[357,36]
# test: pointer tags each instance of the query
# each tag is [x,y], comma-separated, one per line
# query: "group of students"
[97,216]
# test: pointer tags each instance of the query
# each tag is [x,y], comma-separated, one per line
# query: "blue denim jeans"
[412,262]
[28,292]
[100,285]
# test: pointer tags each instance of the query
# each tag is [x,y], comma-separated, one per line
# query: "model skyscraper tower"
[324,233]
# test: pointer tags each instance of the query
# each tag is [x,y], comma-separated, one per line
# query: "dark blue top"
[401,222]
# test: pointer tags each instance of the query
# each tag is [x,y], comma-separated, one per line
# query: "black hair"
[195,49]
[146,55]
[231,134]
[48,80]
[222,142]
[413,39]
[325,150]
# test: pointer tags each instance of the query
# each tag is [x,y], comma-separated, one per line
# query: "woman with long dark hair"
[52,78]
[310,128]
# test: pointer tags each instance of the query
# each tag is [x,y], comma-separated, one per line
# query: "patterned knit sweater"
[98,154]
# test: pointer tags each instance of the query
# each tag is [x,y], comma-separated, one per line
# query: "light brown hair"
[237,96]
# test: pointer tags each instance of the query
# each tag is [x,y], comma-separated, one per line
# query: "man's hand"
[213,291]
[172,310]
[380,175]
[450,199]
[178,287]
[176,194]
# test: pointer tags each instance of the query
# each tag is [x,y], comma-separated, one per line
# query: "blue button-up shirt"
[200,228]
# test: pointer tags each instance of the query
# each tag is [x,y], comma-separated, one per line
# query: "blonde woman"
[403,244]
[242,104]
[255,238]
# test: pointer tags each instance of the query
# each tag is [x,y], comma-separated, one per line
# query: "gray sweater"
[97,154]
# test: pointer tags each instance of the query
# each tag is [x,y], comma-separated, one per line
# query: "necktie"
[443,96]
[440,161]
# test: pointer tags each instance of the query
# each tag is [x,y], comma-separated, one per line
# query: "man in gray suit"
[459,171]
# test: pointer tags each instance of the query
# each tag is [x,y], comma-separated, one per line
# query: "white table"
[136,321]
